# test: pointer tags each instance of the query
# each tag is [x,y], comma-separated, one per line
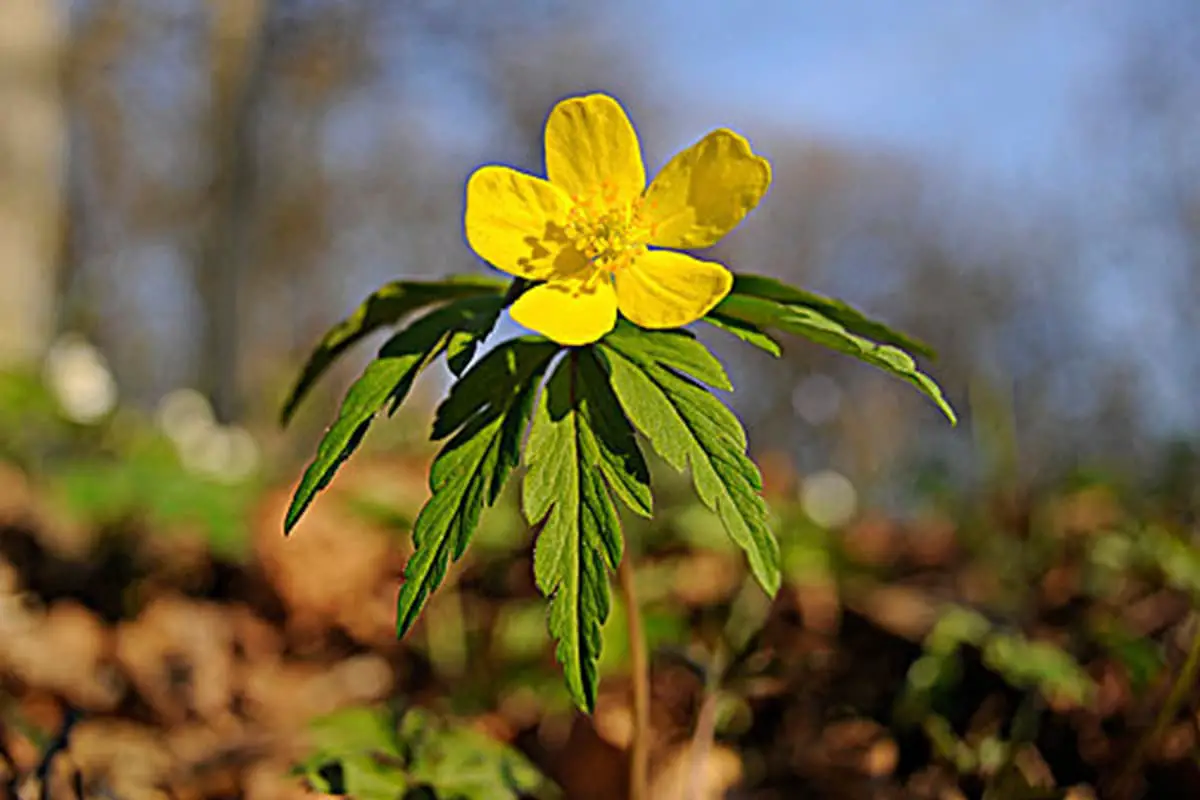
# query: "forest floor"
[137,663]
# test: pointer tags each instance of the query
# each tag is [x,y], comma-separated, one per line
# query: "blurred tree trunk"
[96,134]
[237,41]
[32,138]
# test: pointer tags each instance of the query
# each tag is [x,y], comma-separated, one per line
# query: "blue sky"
[994,84]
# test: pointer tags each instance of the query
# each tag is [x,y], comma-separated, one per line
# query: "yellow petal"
[705,191]
[665,289]
[515,223]
[568,312]
[592,150]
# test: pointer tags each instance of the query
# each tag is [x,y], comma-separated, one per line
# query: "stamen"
[609,234]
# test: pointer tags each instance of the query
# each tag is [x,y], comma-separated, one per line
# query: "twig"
[1170,709]
[639,762]
[12,778]
[706,731]
[59,745]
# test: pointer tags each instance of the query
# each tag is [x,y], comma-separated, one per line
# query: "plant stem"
[706,729]
[1170,708]
[639,761]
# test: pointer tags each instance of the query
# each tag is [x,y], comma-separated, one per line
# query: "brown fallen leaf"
[284,696]
[178,654]
[65,650]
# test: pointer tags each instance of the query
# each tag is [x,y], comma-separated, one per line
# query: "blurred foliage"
[373,755]
[143,481]
[31,427]
[1022,663]
[122,467]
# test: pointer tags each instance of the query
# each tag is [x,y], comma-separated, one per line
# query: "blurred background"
[193,191]
[199,189]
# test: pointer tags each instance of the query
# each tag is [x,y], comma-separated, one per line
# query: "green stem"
[1170,709]
[515,290]
[639,761]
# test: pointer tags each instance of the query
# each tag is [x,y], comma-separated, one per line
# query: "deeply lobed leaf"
[580,448]
[386,381]
[692,429]
[815,326]
[746,331]
[489,408]
[386,306]
[677,348]
[840,312]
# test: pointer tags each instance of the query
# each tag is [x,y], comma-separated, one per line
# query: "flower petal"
[665,289]
[705,191]
[515,223]
[568,312]
[592,150]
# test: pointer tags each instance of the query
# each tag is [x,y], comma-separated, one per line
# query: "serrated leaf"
[463,344]
[747,332]
[840,312]
[693,430]
[812,325]
[579,446]
[489,408]
[387,380]
[477,389]
[386,306]
[620,458]
[677,349]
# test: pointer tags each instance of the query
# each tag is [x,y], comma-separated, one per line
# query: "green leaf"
[489,408]
[1143,659]
[818,328]
[677,349]
[465,764]
[747,332]
[355,730]
[690,428]
[364,778]
[845,315]
[1024,663]
[460,350]
[360,741]
[378,759]
[386,380]
[386,306]
[621,461]
[580,446]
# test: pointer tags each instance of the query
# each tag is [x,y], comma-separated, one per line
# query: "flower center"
[609,233]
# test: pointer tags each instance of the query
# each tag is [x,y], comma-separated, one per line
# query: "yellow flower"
[593,229]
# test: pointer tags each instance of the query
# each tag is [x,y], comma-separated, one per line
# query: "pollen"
[608,233]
